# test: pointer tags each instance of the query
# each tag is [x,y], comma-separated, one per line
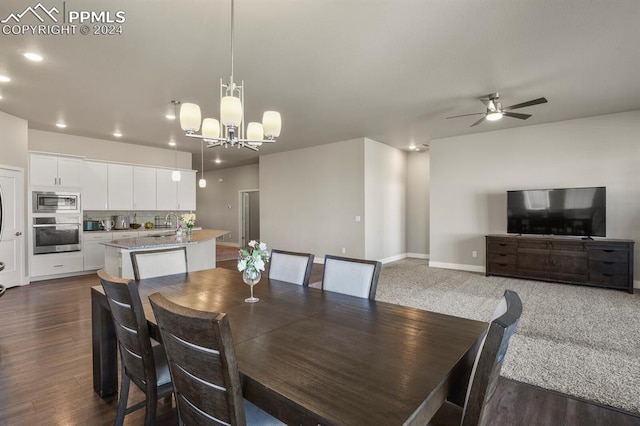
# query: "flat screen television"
[564,211]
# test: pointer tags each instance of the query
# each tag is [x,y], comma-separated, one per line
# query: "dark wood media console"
[601,263]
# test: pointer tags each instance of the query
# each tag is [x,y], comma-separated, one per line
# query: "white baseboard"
[636,284]
[418,255]
[393,258]
[458,266]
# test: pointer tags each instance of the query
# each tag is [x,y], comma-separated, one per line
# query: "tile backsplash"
[134,217]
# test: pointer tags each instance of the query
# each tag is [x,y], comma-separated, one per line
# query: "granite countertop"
[166,240]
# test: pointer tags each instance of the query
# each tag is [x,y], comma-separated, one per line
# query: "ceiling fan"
[495,110]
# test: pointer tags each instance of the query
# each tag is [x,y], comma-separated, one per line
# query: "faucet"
[168,222]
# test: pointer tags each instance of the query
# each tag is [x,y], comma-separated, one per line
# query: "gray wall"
[310,197]
[385,204]
[471,174]
[219,203]
[14,142]
[418,204]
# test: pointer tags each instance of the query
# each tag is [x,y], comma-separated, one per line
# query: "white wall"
[13,141]
[385,187]
[471,174]
[418,204]
[310,197]
[100,149]
[214,201]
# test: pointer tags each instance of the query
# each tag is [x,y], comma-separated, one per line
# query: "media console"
[602,263]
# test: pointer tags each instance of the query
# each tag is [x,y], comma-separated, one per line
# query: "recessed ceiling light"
[218,161]
[418,149]
[117,134]
[0,96]
[170,116]
[412,147]
[61,125]
[172,143]
[33,57]
[4,79]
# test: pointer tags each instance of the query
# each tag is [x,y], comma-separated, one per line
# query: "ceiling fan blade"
[516,115]
[526,104]
[465,115]
[479,121]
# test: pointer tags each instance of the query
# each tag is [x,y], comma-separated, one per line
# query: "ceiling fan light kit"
[230,130]
[495,111]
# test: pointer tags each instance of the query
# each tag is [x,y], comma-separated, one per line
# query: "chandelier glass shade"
[230,130]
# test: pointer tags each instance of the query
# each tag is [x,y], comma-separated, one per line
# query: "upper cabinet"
[179,195]
[120,186]
[144,188]
[94,186]
[56,171]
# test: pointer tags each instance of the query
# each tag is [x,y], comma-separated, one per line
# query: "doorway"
[12,255]
[249,216]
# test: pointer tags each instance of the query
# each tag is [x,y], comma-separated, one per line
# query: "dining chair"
[2,290]
[486,368]
[203,365]
[291,267]
[355,277]
[157,263]
[143,361]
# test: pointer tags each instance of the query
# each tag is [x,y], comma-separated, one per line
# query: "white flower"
[253,243]
[259,264]
[263,246]
[242,265]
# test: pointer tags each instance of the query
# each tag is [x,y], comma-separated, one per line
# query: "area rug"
[226,253]
[580,341]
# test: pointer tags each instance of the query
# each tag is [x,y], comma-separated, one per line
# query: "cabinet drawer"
[502,247]
[97,236]
[50,264]
[502,258]
[564,246]
[535,245]
[609,254]
[613,280]
[502,268]
[609,268]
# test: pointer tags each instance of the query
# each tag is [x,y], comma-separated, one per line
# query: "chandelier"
[230,131]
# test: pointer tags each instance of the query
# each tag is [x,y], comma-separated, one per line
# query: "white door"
[11,231]
[70,172]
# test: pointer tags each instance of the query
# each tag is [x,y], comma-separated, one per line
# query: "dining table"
[315,357]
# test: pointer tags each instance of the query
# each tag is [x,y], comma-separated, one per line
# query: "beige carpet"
[581,341]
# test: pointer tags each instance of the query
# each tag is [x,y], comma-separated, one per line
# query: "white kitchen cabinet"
[56,263]
[144,188]
[120,186]
[176,195]
[93,249]
[187,191]
[56,171]
[94,186]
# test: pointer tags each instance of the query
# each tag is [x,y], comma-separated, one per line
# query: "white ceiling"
[390,70]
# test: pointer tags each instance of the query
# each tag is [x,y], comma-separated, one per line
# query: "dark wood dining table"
[309,356]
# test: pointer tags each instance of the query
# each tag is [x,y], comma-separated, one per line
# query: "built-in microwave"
[56,202]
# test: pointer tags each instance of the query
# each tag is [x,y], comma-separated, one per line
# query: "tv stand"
[603,263]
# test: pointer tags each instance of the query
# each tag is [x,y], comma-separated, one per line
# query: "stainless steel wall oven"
[57,234]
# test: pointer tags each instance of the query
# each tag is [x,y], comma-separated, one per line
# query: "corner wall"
[385,203]
[14,142]
[471,174]
[418,187]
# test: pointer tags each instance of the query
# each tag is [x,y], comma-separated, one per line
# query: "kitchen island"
[201,250]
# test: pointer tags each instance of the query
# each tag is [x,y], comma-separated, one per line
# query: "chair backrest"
[202,362]
[157,263]
[355,277]
[488,363]
[2,290]
[132,330]
[291,267]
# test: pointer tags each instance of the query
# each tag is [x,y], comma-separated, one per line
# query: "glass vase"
[251,277]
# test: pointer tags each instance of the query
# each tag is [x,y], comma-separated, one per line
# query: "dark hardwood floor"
[45,368]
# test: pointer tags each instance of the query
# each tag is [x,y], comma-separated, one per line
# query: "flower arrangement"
[254,257]
[189,219]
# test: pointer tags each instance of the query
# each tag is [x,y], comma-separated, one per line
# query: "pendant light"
[175,174]
[202,183]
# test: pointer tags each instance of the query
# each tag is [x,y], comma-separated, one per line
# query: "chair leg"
[124,396]
[152,405]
